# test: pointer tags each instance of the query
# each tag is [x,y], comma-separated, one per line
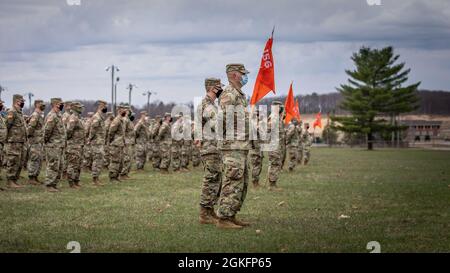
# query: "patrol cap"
[237,67]
[37,102]
[167,115]
[17,97]
[100,102]
[77,106]
[122,106]
[69,103]
[157,117]
[143,113]
[277,102]
[54,101]
[212,82]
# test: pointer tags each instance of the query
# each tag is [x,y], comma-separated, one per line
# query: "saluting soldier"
[142,136]
[36,142]
[96,140]
[75,142]
[165,142]
[116,144]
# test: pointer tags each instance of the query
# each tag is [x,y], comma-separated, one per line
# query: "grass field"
[400,198]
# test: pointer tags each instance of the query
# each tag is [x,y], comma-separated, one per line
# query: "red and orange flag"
[297,110]
[265,81]
[289,106]
[318,121]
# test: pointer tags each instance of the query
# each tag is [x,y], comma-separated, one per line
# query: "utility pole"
[114,106]
[2,89]
[113,69]
[30,95]
[148,94]
[130,89]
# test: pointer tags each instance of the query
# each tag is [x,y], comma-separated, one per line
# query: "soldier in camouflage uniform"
[87,152]
[65,119]
[3,137]
[150,140]
[116,143]
[108,120]
[276,154]
[292,140]
[156,160]
[15,141]
[300,143]
[75,141]
[54,142]
[255,154]
[141,133]
[165,142]
[186,148]
[196,154]
[130,142]
[307,143]
[35,141]
[235,150]
[210,154]
[96,140]
[177,143]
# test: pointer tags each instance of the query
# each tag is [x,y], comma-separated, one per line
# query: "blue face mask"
[244,79]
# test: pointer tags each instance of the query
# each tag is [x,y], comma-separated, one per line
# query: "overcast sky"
[51,48]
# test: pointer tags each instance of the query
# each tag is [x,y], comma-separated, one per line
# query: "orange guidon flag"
[289,106]
[318,121]
[265,81]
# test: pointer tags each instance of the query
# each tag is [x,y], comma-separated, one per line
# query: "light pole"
[113,69]
[114,106]
[130,89]
[30,95]
[2,89]
[148,94]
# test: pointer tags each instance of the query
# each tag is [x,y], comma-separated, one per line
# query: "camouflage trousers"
[256,159]
[115,160]
[176,155]
[87,157]
[164,155]
[74,160]
[212,180]
[35,156]
[275,161]
[283,155]
[150,151]
[156,160]
[306,154]
[98,155]
[234,182]
[14,154]
[141,156]
[196,159]
[128,154]
[293,155]
[53,157]
[106,157]
[300,154]
[25,157]
[186,153]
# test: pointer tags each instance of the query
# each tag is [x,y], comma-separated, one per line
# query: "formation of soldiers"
[70,143]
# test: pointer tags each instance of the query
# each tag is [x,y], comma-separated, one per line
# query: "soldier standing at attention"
[292,139]
[116,143]
[35,140]
[156,160]
[3,137]
[196,157]
[177,143]
[210,154]
[141,132]
[96,140]
[235,150]
[109,119]
[87,153]
[130,141]
[307,143]
[65,118]
[150,140]
[276,154]
[54,142]
[165,142]
[75,142]
[256,155]
[15,141]
[300,142]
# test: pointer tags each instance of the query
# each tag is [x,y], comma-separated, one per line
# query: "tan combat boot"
[227,223]
[273,187]
[13,185]
[164,171]
[52,189]
[240,222]
[96,181]
[77,184]
[205,216]
[33,181]
[255,184]
[114,179]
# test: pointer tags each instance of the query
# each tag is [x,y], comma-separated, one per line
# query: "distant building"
[422,130]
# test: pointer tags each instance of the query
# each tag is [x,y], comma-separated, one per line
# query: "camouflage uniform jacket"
[130,137]
[141,130]
[35,128]
[75,130]
[164,133]
[209,123]
[116,132]
[17,131]
[54,130]
[97,132]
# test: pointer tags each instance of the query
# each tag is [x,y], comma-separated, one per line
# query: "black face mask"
[42,107]
[160,122]
[1,107]
[104,110]
[132,118]
[22,104]
[61,107]
[123,114]
[219,91]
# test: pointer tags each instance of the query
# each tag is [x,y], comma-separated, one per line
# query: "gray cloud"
[51,48]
